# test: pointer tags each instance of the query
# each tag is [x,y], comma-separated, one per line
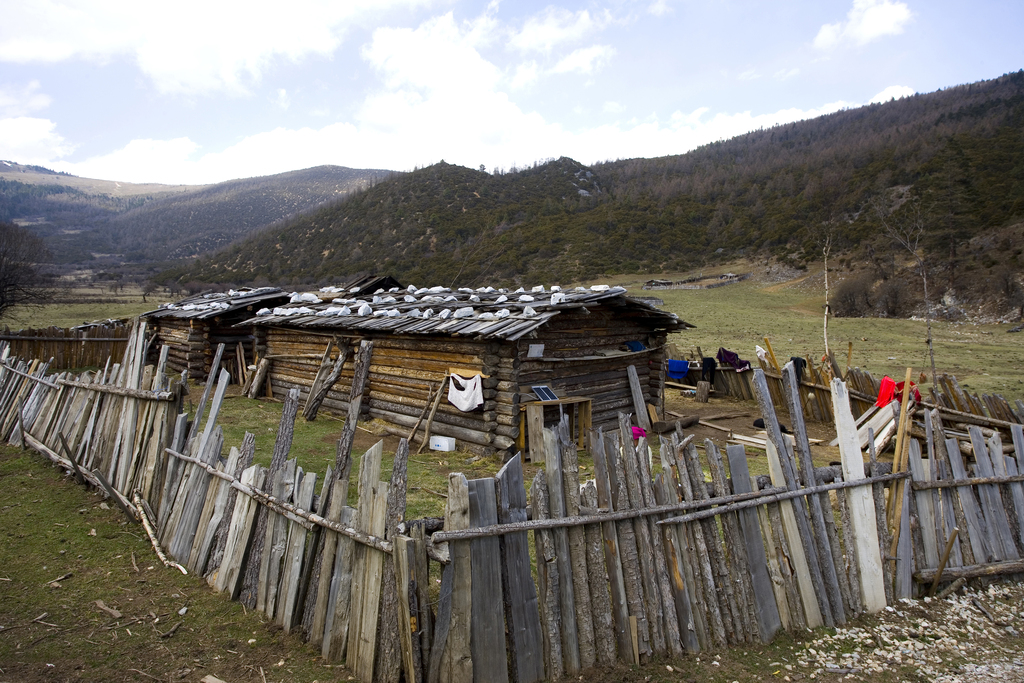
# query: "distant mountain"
[97,222]
[958,151]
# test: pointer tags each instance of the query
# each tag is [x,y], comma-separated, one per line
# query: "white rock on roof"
[557,298]
[464,312]
[501,299]
[526,298]
[474,298]
[365,309]
[503,313]
[529,312]
[538,289]
[409,298]
[600,288]
[445,314]
[411,288]
[264,311]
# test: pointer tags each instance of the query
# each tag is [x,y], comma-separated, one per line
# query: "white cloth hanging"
[465,393]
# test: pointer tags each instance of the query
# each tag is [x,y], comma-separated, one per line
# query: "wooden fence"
[69,348]
[656,555]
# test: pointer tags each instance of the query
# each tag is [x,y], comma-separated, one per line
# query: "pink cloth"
[638,433]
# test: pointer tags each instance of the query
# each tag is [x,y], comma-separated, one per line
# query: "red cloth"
[885,392]
[899,392]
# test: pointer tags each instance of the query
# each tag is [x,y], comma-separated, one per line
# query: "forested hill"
[82,218]
[958,154]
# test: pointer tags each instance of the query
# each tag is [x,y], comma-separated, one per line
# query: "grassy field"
[984,358]
[84,303]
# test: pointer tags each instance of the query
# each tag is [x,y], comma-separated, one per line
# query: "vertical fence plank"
[526,650]
[613,563]
[487,642]
[768,620]
[548,578]
[861,506]
[566,597]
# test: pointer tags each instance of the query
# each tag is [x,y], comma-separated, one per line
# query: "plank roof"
[213,304]
[484,313]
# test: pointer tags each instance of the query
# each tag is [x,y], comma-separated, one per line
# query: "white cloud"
[438,56]
[22,101]
[438,98]
[659,8]
[192,46]
[555,26]
[526,74]
[585,60]
[282,99]
[866,21]
[893,92]
[749,75]
[30,140]
[786,74]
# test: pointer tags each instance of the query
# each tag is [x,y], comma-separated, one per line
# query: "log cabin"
[193,327]
[579,343]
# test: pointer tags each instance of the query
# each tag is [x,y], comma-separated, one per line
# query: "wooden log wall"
[583,356]
[187,344]
[67,347]
[192,344]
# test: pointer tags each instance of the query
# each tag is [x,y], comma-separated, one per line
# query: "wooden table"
[579,422]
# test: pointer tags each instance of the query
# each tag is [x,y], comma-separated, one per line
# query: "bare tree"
[23,282]
[826,240]
[907,229]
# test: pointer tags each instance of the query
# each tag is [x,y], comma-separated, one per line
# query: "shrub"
[893,298]
[853,297]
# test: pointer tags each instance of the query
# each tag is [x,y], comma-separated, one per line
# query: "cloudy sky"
[199,91]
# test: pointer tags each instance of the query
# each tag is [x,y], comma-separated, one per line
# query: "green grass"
[56,631]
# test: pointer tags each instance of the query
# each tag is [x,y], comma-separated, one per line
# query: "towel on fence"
[677,369]
[726,357]
[798,364]
[707,370]
[465,393]
[761,354]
